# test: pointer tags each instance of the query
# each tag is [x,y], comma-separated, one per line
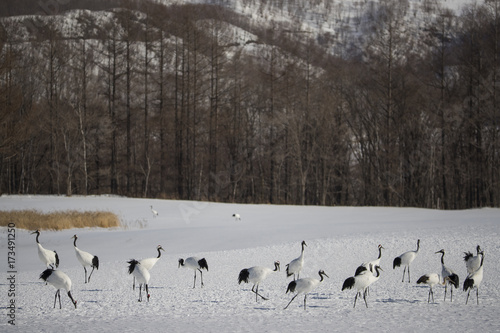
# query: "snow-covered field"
[338,239]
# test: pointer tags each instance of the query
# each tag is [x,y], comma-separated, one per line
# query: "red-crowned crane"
[449,277]
[370,265]
[237,217]
[431,279]
[58,280]
[406,259]
[47,257]
[256,275]
[304,286]
[155,213]
[474,280]
[86,259]
[472,262]
[295,266]
[195,264]
[361,282]
[148,263]
[142,276]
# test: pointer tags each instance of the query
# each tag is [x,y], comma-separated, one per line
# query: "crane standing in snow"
[370,265]
[155,213]
[141,275]
[86,259]
[47,257]
[449,277]
[295,266]
[431,279]
[148,263]
[406,259]
[361,282]
[58,280]
[304,286]
[256,275]
[474,280]
[195,264]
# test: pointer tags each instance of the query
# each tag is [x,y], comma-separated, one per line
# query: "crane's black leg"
[140,293]
[364,297]
[133,286]
[432,294]
[408,273]
[88,280]
[55,298]
[85,273]
[291,301]
[445,290]
[467,297]
[59,296]
[355,299]
[194,283]
[477,295]
[201,277]
[305,298]
[404,271]
[451,293]
[257,293]
[147,292]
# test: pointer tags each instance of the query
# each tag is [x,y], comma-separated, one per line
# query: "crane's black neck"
[482,259]
[159,252]
[37,234]
[442,258]
[377,269]
[74,242]
[276,267]
[380,252]
[418,245]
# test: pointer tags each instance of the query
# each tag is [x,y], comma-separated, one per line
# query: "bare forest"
[198,102]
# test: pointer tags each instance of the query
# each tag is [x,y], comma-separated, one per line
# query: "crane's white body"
[86,259]
[304,285]
[472,263]
[256,275]
[361,282]
[430,279]
[195,264]
[140,274]
[474,280]
[155,213]
[296,265]
[148,263]
[406,259]
[48,257]
[58,280]
[449,276]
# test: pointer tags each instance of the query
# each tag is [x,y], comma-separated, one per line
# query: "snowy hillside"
[338,240]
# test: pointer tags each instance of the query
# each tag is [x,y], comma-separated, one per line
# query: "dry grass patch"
[33,219]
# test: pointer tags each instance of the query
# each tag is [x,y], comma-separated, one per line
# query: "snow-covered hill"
[338,239]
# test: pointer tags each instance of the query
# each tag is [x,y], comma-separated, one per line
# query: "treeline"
[177,102]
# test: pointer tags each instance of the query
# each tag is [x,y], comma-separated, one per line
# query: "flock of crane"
[365,275]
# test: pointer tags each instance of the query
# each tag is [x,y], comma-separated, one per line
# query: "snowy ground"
[338,238]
